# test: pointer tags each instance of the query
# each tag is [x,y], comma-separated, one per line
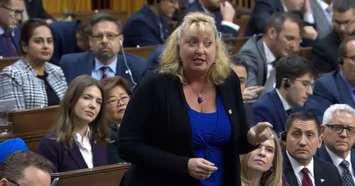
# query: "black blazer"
[155,135]
[325,174]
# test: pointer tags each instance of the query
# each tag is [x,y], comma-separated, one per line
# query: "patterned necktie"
[104,71]
[11,48]
[346,176]
[306,180]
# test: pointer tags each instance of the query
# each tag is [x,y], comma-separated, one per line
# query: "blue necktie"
[346,176]
[104,71]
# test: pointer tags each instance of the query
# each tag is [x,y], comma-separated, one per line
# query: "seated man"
[10,16]
[294,83]
[223,13]
[282,38]
[104,58]
[10,146]
[26,168]
[302,141]
[338,131]
[338,86]
[149,25]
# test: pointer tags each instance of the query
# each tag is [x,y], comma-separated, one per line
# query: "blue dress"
[210,132]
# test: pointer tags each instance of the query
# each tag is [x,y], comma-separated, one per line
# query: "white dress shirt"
[297,167]
[337,160]
[285,104]
[84,145]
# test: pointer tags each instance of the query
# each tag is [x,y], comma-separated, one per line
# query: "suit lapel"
[352,159]
[319,177]
[90,65]
[280,111]
[262,64]
[343,90]
[288,172]
[75,154]
[323,154]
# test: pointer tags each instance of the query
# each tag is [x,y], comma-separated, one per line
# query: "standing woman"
[32,81]
[186,125]
[117,95]
[80,137]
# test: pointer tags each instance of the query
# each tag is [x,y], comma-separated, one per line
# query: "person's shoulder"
[72,57]
[17,69]
[327,78]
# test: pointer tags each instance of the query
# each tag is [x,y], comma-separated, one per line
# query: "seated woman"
[80,138]
[262,166]
[117,95]
[31,81]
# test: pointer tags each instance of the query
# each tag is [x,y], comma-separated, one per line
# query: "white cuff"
[231,25]
[308,17]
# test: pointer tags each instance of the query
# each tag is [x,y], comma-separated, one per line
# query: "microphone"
[128,70]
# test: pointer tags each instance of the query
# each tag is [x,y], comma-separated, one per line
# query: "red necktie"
[306,180]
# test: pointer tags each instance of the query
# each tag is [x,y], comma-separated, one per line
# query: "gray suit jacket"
[253,53]
[322,24]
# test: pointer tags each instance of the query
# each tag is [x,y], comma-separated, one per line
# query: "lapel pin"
[230,111]
[322,180]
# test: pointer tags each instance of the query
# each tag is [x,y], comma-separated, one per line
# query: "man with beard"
[104,58]
[302,141]
[338,132]
[324,52]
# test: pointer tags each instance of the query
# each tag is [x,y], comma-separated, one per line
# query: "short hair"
[117,81]
[342,51]
[19,161]
[303,116]
[336,108]
[27,30]
[343,5]
[151,2]
[170,61]
[65,126]
[292,67]
[278,19]
[240,61]
[103,16]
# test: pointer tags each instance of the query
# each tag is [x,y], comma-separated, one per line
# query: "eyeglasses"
[14,11]
[108,35]
[340,128]
[307,84]
[120,100]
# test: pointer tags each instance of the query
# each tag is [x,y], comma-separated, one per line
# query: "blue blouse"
[210,132]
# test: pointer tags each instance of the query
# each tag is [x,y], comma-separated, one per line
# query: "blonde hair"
[272,177]
[170,61]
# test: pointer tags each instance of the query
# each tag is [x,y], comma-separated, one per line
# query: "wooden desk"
[109,175]
[143,52]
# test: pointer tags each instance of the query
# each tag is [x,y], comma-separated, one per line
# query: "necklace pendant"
[199,99]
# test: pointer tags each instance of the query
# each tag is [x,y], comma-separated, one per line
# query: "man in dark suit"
[300,166]
[310,11]
[282,38]
[104,58]
[294,82]
[149,25]
[338,86]
[223,13]
[338,131]
[324,52]
[10,16]
[34,9]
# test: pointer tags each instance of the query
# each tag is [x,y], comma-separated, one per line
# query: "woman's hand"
[200,168]
[260,132]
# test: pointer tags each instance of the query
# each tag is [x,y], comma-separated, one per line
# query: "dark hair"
[278,19]
[239,61]
[151,2]
[65,126]
[109,83]
[27,30]
[343,5]
[103,16]
[292,67]
[19,161]
[342,51]
[303,116]
[4,2]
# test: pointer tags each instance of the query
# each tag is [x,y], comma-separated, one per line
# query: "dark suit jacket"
[76,64]
[4,51]
[324,53]
[269,108]
[226,31]
[159,142]
[143,29]
[325,174]
[329,89]
[64,39]
[323,154]
[262,12]
[35,9]
[65,159]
